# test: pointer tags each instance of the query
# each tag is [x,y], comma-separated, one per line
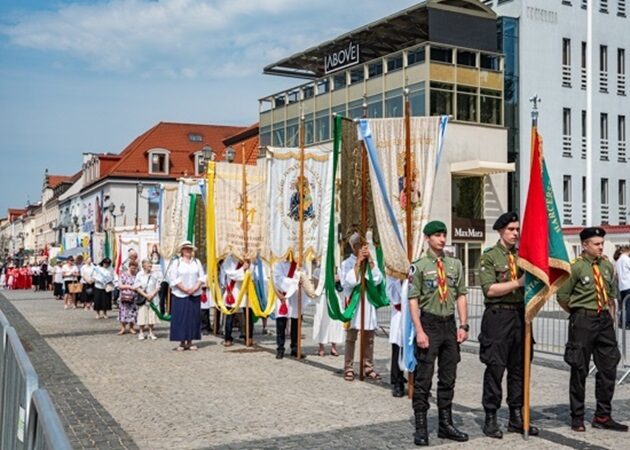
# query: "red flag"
[118,258]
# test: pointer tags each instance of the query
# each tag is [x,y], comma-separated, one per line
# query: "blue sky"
[85,76]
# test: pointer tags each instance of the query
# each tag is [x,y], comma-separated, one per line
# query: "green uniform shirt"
[495,268]
[424,284]
[579,290]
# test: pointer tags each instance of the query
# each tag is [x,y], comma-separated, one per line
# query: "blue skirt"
[185,318]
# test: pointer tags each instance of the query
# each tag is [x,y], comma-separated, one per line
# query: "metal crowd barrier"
[28,420]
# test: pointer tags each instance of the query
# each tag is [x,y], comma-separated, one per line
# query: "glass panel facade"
[355,109]
[322,126]
[375,69]
[375,106]
[440,54]
[278,134]
[466,104]
[490,107]
[417,99]
[339,80]
[466,58]
[415,56]
[293,133]
[357,75]
[394,63]
[394,103]
[441,100]
[265,135]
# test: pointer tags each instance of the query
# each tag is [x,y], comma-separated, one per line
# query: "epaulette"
[487,249]
[579,258]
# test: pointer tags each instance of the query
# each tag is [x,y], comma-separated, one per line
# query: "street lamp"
[230,153]
[75,219]
[112,207]
[139,189]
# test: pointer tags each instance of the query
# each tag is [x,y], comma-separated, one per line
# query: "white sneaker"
[152,336]
[141,337]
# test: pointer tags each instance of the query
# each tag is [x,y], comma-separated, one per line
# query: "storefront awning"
[476,168]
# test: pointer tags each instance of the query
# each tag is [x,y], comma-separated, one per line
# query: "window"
[466,58]
[621,61]
[394,105]
[467,104]
[621,128]
[583,56]
[603,58]
[566,188]
[280,100]
[322,126]
[355,109]
[415,56]
[583,189]
[194,137]
[357,75]
[394,63]
[603,126]
[278,134]
[440,54]
[309,132]
[441,99]
[292,137]
[375,106]
[375,69]
[490,62]
[158,162]
[490,107]
[583,124]
[199,164]
[154,205]
[566,121]
[340,80]
[265,136]
[308,91]
[323,86]
[293,96]
[604,191]
[566,52]
[622,192]
[417,99]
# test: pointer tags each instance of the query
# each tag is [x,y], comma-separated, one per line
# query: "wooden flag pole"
[364,265]
[300,237]
[248,341]
[527,379]
[408,207]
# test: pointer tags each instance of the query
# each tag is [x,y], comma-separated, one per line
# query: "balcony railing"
[623,215]
[583,148]
[583,78]
[605,214]
[567,213]
[603,150]
[584,214]
[566,146]
[603,81]
[621,84]
[566,75]
[621,152]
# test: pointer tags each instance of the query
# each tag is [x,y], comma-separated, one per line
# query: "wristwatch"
[465,327]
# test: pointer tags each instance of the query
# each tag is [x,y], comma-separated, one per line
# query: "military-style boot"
[515,425]
[447,430]
[491,427]
[421,436]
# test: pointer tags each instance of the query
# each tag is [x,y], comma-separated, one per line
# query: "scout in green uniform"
[503,327]
[436,286]
[589,296]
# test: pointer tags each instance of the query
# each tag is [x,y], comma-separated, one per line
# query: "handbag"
[75,288]
[139,299]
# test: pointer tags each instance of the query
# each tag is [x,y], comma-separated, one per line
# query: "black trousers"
[281,326]
[205,320]
[592,335]
[229,325]
[443,346]
[397,376]
[500,348]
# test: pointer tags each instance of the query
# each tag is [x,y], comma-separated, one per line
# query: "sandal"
[333,352]
[348,375]
[193,348]
[372,375]
[180,349]
[320,353]
[121,332]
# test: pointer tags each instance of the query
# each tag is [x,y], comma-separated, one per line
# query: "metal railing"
[566,75]
[621,151]
[603,150]
[566,145]
[621,84]
[603,81]
[28,420]
[583,78]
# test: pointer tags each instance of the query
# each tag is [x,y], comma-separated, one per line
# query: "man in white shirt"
[231,277]
[622,267]
[286,282]
[350,278]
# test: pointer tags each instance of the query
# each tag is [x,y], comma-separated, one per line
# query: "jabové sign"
[341,58]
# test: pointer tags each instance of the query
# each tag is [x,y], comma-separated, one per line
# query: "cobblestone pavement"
[117,392]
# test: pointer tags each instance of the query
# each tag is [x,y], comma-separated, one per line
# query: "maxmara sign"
[469,229]
[341,58]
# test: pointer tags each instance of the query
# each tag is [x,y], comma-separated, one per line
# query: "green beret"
[435,226]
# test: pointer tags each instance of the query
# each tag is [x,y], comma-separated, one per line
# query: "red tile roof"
[53,181]
[133,161]
[247,140]
[14,213]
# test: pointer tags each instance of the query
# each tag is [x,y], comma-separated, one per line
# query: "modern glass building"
[443,51]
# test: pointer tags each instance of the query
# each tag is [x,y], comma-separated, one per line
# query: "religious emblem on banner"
[307,201]
[416,194]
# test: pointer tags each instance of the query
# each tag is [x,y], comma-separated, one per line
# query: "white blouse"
[148,282]
[188,273]
[69,272]
[102,276]
[58,276]
[349,281]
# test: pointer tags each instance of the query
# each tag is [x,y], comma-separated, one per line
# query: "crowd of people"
[437,302]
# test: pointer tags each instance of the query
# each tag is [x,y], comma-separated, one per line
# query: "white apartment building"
[547,45]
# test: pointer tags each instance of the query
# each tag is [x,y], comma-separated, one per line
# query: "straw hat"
[186,244]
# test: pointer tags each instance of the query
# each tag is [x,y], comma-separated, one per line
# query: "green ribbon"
[166,317]
[375,294]
[191,217]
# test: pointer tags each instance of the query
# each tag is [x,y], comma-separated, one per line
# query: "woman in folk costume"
[394,292]
[285,282]
[186,277]
[231,278]
[325,330]
[350,278]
